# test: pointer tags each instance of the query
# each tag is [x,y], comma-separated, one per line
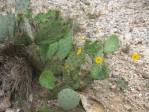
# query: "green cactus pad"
[64,46]
[43,17]
[103,72]
[47,80]
[112,44]
[95,71]
[7,27]
[92,48]
[55,67]
[75,60]
[52,49]
[99,71]
[68,99]
[21,5]
[40,18]
[28,29]
[53,13]
[50,32]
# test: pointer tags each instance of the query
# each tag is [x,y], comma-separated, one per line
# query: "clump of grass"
[122,84]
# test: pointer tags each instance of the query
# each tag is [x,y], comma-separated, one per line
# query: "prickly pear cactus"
[55,67]
[51,28]
[75,60]
[99,71]
[47,79]
[68,99]
[40,18]
[7,27]
[28,29]
[52,49]
[54,35]
[50,32]
[64,46]
[43,17]
[21,6]
[92,48]
[112,44]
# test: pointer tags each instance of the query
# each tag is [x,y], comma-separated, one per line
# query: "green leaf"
[21,6]
[64,46]
[46,80]
[112,44]
[92,48]
[52,49]
[7,27]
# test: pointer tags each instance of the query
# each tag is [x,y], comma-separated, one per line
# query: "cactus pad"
[112,44]
[68,99]
[21,5]
[47,80]
[64,46]
[99,71]
[92,48]
[52,49]
[50,32]
[7,27]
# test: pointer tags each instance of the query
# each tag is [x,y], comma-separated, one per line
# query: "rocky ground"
[127,88]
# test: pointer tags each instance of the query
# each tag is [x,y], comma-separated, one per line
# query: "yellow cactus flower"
[98,59]
[135,57]
[100,29]
[79,74]
[72,69]
[82,83]
[79,51]
[66,67]
[81,38]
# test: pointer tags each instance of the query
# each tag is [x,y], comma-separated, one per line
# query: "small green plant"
[130,110]
[43,108]
[122,84]
[68,99]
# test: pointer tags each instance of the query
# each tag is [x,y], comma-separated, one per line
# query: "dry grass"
[15,74]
